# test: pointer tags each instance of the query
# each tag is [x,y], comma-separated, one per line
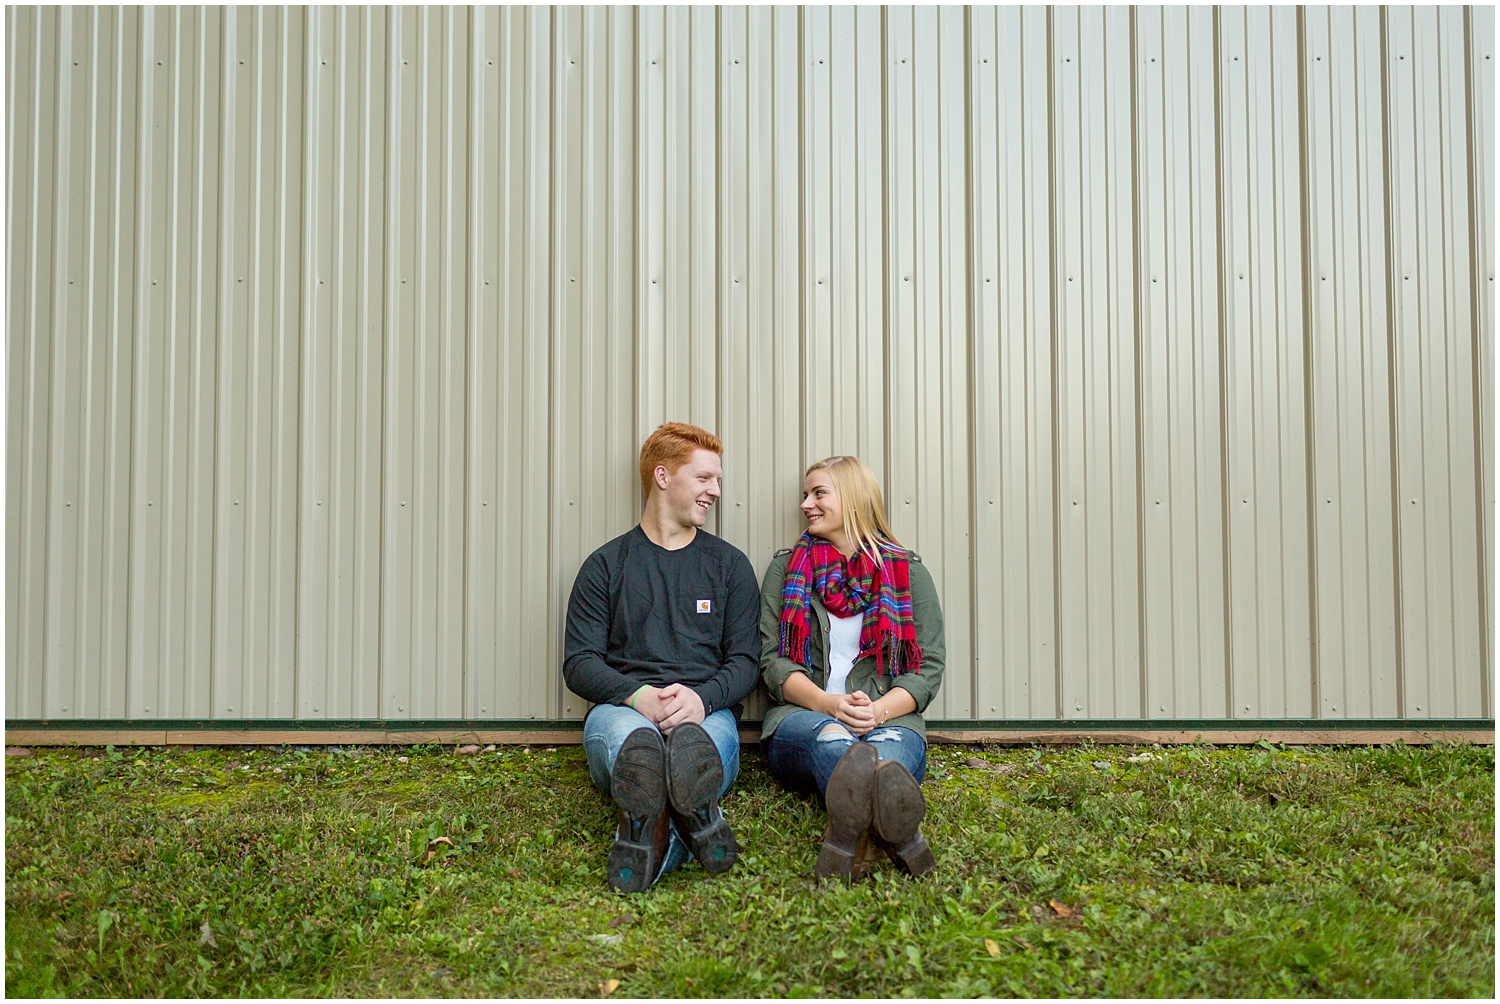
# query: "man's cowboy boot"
[898,814]
[639,787]
[694,775]
[850,802]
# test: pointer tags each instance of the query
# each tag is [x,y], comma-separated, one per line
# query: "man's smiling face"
[693,489]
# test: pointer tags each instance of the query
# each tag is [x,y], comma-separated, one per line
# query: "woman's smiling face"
[823,507]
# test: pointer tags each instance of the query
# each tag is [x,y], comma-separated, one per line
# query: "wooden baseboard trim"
[1223,737]
[748,736]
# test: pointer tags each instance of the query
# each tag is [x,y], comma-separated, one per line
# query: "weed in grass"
[1090,871]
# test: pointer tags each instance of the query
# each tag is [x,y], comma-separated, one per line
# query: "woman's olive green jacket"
[926,612]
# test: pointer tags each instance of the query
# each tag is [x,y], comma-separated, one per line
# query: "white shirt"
[843,649]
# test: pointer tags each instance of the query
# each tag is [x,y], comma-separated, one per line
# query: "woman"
[852,653]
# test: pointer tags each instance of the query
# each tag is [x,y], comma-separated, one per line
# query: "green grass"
[1364,872]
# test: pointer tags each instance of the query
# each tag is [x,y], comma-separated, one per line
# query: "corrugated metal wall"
[332,335]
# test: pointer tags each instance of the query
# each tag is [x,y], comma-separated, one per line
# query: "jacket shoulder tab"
[784,550]
[914,556]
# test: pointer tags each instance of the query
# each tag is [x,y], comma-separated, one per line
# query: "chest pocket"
[699,617]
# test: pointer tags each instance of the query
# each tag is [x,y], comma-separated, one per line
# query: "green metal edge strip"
[942,724]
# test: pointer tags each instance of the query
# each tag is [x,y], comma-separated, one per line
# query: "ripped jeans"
[802,761]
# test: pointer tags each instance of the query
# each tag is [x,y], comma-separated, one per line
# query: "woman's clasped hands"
[855,711]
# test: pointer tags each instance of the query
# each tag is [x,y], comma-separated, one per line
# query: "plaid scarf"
[882,593]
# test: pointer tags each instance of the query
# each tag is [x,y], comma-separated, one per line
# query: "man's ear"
[660,476]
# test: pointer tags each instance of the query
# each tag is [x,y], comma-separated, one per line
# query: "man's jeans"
[803,761]
[604,732]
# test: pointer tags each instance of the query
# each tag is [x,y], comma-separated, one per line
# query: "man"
[663,638]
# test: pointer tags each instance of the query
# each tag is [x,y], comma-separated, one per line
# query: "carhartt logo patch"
[705,606]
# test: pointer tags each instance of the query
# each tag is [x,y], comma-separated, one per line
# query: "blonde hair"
[671,446]
[865,521]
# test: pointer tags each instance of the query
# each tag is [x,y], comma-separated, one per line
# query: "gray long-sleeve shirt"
[640,615]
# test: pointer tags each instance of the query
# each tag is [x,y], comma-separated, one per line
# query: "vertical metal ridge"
[1138,240]
[1222,262]
[1304,189]
[90,622]
[556,306]
[1388,188]
[472,286]
[172,407]
[888,292]
[132,462]
[199,682]
[118,468]
[388,197]
[44,443]
[720,304]
[221,310]
[971,352]
[17,684]
[1054,295]
[1476,330]
[802,255]
[306,293]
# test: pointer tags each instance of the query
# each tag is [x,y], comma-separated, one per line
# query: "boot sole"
[638,786]
[694,775]
[849,800]
[897,819]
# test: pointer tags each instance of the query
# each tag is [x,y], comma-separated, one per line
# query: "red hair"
[671,446]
